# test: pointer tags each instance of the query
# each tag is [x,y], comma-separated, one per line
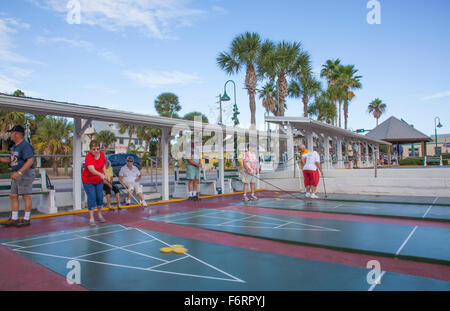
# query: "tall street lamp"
[439,125]
[225,97]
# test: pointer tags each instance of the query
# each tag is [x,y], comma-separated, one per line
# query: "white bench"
[207,186]
[41,188]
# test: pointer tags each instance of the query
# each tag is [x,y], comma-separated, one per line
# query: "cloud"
[154,80]
[437,95]
[100,88]
[154,17]
[11,70]
[8,27]
[81,44]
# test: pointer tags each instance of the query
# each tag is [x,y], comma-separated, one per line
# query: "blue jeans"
[94,194]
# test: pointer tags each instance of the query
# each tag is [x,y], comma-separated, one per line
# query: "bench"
[207,186]
[232,180]
[41,187]
[430,160]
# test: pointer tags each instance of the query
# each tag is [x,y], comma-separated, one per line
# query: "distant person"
[356,154]
[129,177]
[193,166]
[250,168]
[303,151]
[21,160]
[93,176]
[311,170]
[110,186]
[350,153]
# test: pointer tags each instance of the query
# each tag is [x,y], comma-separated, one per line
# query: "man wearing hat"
[129,177]
[21,160]
[193,165]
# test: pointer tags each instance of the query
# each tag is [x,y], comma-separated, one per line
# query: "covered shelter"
[82,117]
[399,132]
[330,138]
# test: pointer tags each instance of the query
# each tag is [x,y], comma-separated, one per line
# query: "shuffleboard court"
[361,237]
[414,211]
[117,257]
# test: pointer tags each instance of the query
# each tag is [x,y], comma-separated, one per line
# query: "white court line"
[211,266]
[192,216]
[115,248]
[84,260]
[278,227]
[430,207]
[378,280]
[406,241]
[168,262]
[56,234]
[299,223]
[127,250]
[259,227]
[231,220]
[65,240]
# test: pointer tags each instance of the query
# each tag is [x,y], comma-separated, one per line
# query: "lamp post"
[225,97]
[439,125]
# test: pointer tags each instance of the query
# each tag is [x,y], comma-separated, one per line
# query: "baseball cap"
[17,128]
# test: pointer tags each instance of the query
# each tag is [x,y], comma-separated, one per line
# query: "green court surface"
[354,236]
[415,211]
[116,257]
[390,199]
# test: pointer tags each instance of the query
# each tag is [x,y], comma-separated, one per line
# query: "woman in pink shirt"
[249,170]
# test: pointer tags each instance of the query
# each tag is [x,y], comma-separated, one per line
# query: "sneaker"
[10,223]
[101,219]
[245,199]
[23,223]
[314,196]
[143,203]
[308,195]
[92,223]
[253,197]
[128,202]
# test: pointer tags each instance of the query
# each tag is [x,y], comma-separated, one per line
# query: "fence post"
[425,161]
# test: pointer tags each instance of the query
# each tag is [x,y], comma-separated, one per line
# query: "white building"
[120,146]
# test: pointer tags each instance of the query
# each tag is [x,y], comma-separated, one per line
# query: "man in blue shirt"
[21,160]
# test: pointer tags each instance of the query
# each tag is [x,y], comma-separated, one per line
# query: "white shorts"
[247,178]
[132,186]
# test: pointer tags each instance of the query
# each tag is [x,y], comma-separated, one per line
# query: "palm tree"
[377,108]
[127,128]
[280,62]
[149,135]
[244,53]
[323,108]
[54,137]
[192,115]
[268,94]
[330,69]
[305,86]
[348,80]
[105,138]
[167,105]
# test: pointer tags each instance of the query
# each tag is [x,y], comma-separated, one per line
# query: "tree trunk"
[340,108]
[305,100]
[345,113]
[282,86]
[250,84]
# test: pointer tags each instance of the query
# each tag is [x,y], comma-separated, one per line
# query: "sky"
[121,54]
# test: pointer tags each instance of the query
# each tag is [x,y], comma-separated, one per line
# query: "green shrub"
[411,161]
[4,168]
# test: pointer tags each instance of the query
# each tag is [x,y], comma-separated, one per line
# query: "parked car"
[120,159]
